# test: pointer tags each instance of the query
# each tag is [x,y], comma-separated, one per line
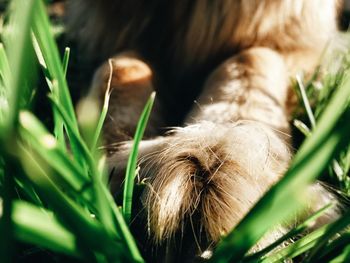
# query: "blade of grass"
[28,227]
[296,248]
[345,161]
[26,188]
[58,130]
[333,229]
[122,228]
[103,169]
[18,45]
[104,107]
[4,66]
[306,101]
[49,53]
[302,127]
[44,37]
[53,86]
[294,232]
[5,77]
[343,257]
[132,161]
[46,145]
[305,130]
[313,240]
[66,60]
[88,112]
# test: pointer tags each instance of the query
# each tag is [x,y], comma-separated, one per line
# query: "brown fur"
[235,58]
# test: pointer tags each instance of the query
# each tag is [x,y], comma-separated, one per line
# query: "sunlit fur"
[213,175]
[235,59]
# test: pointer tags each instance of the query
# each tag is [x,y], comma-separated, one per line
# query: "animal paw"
[212,172]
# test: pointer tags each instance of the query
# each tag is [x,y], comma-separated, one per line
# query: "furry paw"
[214,173]
[203,179]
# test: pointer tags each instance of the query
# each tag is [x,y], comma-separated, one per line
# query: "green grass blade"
[66,60]
[48,47]
[302,127]
[26,188]
[59,130]
[5,78]
[46,145]
[306,102]
[74,134]
[18,46]
[29,227]
[53,86]
[343,257]
[132,162]
[124,231]
[47,53]
[334,228]
[4,67]
[104,108]
[295,231]
[297,248]
[103,169]
[313,241]
[88,112]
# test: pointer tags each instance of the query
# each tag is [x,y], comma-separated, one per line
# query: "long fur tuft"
[218,171]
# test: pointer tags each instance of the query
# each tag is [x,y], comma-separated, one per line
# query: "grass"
[59,176]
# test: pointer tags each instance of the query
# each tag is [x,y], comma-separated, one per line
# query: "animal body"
[221,70]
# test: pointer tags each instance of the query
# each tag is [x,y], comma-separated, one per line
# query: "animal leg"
[129,80]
